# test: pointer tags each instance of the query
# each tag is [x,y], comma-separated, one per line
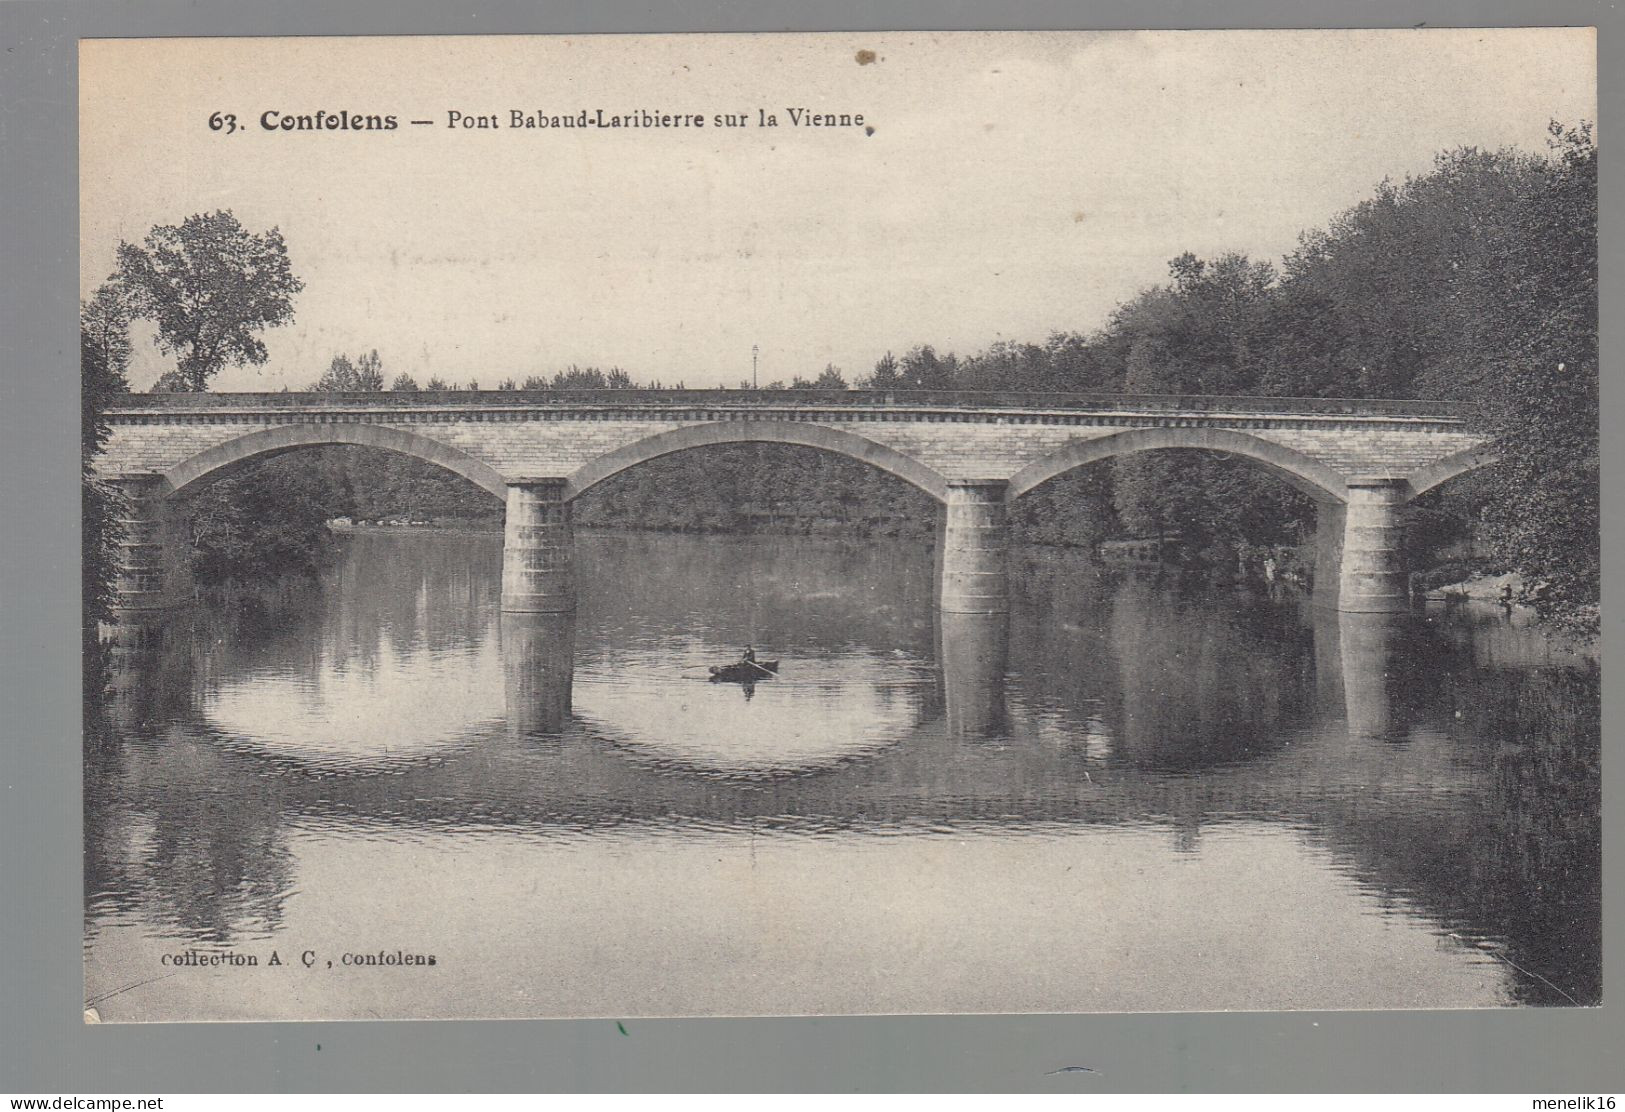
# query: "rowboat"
[744,671]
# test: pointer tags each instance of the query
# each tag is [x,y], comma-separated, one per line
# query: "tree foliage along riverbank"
[1474,282]
[104,353]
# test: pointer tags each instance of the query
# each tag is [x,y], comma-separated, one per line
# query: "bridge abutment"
[153,558]
[538,549]
[973,548]
[1372,576]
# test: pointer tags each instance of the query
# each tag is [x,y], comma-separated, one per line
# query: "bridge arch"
[1442,471]
[843,443]
[282,438]
[1300,471]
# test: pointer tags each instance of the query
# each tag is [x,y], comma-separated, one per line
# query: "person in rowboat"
[749,655]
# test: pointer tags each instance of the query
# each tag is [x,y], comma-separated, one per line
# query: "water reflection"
[274,766]
[1366,644]
[149,668]
[975,651]
[538,664]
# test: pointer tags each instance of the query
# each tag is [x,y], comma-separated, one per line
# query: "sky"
[1001,186]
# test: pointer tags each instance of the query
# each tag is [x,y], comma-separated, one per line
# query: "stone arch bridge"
[974,453]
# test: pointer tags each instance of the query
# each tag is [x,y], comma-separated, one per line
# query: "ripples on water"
[1132,796]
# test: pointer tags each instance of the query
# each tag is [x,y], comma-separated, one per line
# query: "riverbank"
[470,529]
[1490,587]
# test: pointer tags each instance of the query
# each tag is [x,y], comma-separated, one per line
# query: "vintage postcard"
[832,524]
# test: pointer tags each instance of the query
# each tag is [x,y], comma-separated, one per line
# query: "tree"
[1005,366]
[1082,364]
[1538,384]
[104,353]
[210,286]
[922,369]
[830,378]
[404,384]
[1475,281]
[339,376]
[104,323]
[1384,295]
[885,376]
[435,383]
[369,371]
[365,375]
[580,378]
[265,522]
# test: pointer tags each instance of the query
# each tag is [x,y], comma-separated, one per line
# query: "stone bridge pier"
[538,549]
[1371,576]
[153,557]
[1359,548]
[973,548]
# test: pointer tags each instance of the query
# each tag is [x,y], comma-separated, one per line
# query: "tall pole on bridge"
[753,350]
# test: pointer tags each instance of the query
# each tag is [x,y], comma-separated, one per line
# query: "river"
[1131,795]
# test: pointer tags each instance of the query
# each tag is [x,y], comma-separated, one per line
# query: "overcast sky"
[1013,184]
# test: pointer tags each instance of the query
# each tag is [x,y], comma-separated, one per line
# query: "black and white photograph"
[839,524]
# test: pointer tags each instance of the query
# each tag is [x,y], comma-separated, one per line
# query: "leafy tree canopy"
[830,378]
[104,353]
[885,376]
[211,286]
[365,375]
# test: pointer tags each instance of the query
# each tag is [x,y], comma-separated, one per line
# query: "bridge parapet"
[906,400]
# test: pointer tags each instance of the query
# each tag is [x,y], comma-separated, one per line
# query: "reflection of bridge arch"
[283,438]
[944,759]
[579,780]
[538,656]
[1357,803]
[1302,472]
[838,441]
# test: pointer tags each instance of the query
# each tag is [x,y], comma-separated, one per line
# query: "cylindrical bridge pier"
[973,547]
[1372,577]
[538,549]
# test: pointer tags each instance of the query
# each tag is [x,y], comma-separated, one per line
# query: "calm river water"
[1128,797]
